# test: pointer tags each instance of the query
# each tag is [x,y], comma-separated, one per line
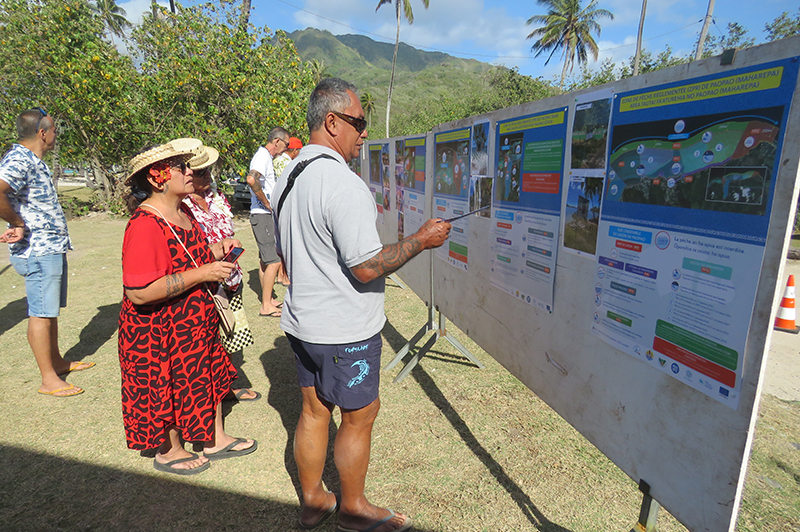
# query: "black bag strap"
[293,176]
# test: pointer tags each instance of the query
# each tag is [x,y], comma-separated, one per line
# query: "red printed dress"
[174,370]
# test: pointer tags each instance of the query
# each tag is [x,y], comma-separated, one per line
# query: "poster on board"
[691,175]
[584,198]
[410,177]
[451,192]
[526,211]
[480,183]
[379,177]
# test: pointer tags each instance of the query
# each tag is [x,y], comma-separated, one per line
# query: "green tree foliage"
[783,26]
[201,74]
[567,27]
[54,57]
[205,76]
[499,88]
[735,36]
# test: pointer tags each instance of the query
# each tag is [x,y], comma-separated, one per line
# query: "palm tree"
[318,70]
[368,103]
[113,16]
[409,14]
[567,27]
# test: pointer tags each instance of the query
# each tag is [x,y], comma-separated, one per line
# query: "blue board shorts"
[346,375]
[45,283]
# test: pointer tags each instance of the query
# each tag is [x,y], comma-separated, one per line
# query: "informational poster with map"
[451,192]
[691,175]
[529,166]
[410,185]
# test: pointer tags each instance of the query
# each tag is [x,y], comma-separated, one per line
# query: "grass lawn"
[458,448]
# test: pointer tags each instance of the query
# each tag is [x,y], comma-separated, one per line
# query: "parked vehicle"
[241,194]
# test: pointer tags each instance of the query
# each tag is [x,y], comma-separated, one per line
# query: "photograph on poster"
[720,162]
[479,160]
[584,199]
[480,195]
[508,167]
[590,134]
[452,164]
[355,165]
[376,169]
[399,166]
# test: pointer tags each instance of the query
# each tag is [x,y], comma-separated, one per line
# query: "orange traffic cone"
[785,320]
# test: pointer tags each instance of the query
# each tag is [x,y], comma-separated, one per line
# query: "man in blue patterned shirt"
[38,241]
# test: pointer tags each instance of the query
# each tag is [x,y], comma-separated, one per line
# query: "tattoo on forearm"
[392,257]
[175,284]
[256,175]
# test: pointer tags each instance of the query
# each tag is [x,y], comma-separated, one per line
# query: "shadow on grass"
[97,332]
[526,505]
[284,396]
[13,313]
[42,492]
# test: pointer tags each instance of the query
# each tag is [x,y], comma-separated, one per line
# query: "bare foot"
[65,366]
[67,390]
[315,512]
[244,394]
[370,515]
[56,383]
[178,454]
[224,441]
[272,312]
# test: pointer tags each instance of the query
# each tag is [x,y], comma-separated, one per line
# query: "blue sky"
[494,31]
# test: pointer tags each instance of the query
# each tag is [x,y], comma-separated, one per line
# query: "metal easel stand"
[441,332]
[649,512]
[397,280]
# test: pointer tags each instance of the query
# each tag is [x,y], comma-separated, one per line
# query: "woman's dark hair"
[140,187]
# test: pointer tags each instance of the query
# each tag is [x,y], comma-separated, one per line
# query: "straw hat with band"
[177,149]
[205,156]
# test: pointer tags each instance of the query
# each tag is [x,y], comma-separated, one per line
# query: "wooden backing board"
[691,449]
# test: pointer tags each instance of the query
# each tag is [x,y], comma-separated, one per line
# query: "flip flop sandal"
[228,452]
[167,468]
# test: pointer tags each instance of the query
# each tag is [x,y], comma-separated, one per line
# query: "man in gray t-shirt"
[333,310]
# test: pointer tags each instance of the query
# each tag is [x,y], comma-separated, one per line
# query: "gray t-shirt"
[327,226]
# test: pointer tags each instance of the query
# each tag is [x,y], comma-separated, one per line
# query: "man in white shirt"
[261,179]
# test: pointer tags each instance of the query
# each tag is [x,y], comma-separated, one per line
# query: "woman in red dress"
[175,373]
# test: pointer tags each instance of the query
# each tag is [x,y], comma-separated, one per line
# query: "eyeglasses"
[43,114]
[359,124]
[285,142]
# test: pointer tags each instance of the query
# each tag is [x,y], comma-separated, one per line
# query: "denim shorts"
[346,375]
[45,283]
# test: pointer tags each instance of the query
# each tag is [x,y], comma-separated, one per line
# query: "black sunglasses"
[43,114]
[358,123]
[178,165]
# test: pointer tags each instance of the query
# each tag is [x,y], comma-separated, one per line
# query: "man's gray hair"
[30,122]
[277,133]
[329,95]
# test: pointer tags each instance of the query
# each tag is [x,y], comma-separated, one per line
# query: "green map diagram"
[721,164]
